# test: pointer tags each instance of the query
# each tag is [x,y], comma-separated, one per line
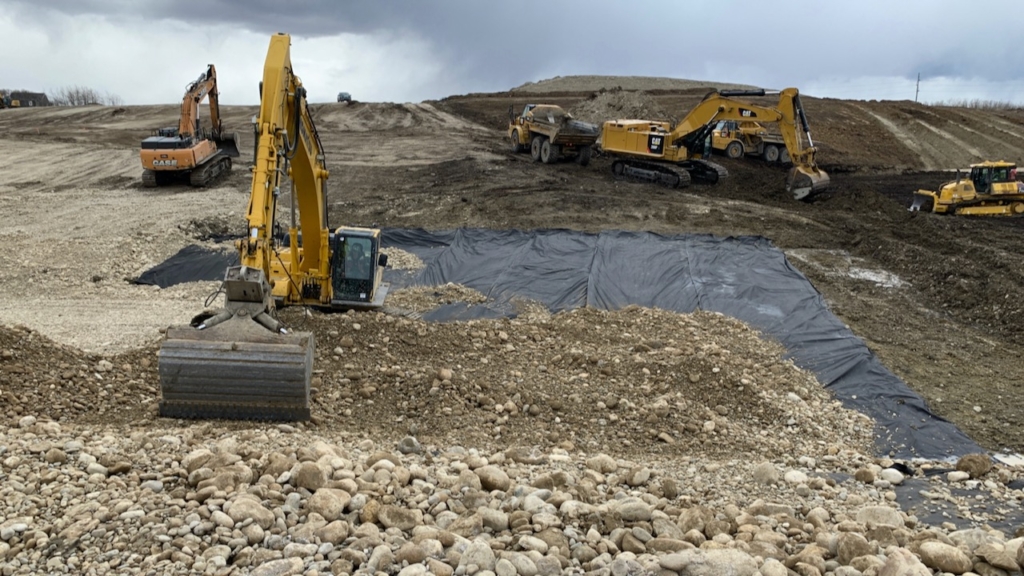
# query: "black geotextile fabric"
[190,264]
[743,277]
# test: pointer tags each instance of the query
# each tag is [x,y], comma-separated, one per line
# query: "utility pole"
[918,89]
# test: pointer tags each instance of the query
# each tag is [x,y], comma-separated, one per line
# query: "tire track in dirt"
[927,158]
[956,141]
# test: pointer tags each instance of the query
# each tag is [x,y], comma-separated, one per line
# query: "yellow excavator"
[658,152]
[991,189]
[240,362]
[188,151]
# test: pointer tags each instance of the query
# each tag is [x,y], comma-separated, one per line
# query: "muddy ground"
[934,297]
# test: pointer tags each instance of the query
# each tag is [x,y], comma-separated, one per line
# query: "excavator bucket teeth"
[227,143]
[236,370]
[804,182]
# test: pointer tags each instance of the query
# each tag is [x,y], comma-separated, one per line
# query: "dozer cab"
[991,189]
[241,362]
[550,134]
[188,152]
[674,155]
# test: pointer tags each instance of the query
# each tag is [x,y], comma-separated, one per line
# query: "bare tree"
[113,100]
[83,96]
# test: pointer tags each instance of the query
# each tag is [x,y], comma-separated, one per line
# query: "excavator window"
[357,258]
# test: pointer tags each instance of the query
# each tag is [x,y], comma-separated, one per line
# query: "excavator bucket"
[227,142]
[236,370]
[804,181]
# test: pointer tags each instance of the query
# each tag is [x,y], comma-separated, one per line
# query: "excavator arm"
[188,124]
[287,145]
[696,127]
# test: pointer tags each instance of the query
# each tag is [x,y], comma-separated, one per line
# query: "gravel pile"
[614,443]
[281,500]
[620,105]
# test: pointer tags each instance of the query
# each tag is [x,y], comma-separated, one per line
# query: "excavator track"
[706,172]
[149,179]
[235,370]
[205,174]
[651,172]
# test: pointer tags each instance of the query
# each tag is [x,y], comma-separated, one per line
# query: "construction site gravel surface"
[684,406]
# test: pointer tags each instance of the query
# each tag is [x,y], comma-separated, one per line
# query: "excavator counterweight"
[240,362]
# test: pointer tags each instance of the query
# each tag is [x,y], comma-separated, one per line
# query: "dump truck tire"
[516,146]
[584,156]
[549,152]
[734,150]
[535,146]
[771,153]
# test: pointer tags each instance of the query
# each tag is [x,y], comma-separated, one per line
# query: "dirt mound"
[619,105]
[593,83]
[40,376]
[636,379]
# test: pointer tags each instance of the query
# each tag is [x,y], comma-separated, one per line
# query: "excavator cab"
[356,269]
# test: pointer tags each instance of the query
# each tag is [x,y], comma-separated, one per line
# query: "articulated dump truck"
[551,134]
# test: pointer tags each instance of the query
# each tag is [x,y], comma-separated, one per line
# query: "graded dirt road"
[935,297]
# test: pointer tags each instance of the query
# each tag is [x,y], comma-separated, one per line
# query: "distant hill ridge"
[595,83]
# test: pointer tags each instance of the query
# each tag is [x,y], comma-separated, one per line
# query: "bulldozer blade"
[227,143]
[921,201]
[236,370]
[802,182]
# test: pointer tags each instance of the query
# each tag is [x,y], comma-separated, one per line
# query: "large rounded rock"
[329,503]
[309,476]
[283,567]
[902,562]
[634,510]
[766,473]
[493,478]
[405,519]
[852,545]
[880,516]
[944,557]
[246,506]
[998,556]
[711,562]
[602,463]
[479,554]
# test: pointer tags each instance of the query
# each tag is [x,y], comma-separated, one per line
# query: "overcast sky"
[146,51]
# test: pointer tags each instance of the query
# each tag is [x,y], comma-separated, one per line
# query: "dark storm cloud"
[492,45]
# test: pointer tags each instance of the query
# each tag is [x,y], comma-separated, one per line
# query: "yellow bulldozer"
[674,155]
[991,189]
[241,362]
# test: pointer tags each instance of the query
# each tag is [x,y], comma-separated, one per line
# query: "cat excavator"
[241,362]
[188,152]
[658,152]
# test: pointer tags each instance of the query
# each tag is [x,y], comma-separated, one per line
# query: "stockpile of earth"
[619,105]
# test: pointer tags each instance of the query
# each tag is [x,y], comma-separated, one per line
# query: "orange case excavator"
[189,152]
